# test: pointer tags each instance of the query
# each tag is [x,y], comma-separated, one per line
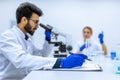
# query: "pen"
[86,59]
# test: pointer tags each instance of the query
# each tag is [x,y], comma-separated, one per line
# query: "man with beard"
[19,56]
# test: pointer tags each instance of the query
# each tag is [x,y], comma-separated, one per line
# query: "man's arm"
[13,51]
[47,47]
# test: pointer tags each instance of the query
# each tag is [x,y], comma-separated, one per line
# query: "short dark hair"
[27,9]
[88,27]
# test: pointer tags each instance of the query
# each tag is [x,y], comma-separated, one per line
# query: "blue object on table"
[118,70]
[72,60]
[113,55]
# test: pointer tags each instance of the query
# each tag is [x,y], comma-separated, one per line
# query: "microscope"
[61,49]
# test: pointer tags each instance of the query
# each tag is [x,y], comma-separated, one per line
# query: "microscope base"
[60,55]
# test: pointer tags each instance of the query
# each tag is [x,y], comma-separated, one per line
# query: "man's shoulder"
[8,32]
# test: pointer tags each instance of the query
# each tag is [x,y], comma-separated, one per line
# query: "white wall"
[71,16]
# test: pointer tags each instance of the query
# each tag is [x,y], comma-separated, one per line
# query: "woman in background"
[88,45]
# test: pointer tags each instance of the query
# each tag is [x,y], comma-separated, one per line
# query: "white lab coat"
[19,56]
[93,47]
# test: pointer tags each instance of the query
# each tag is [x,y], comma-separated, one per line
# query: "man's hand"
[47,36]
[73,60]
[83,56]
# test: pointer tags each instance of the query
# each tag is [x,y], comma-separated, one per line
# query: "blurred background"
[70,16]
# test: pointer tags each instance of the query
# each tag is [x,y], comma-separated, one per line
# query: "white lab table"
[105,62]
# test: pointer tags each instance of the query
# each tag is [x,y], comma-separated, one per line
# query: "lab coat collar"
[20,32]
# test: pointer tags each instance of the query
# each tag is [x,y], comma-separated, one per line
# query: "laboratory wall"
[70,16]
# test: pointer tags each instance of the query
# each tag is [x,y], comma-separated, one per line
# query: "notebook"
[88,66]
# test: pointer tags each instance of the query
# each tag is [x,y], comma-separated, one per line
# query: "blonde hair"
[88,27]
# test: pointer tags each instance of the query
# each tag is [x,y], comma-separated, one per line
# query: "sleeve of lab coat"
[77,46]
[97,46]
[45,51]
[14,52]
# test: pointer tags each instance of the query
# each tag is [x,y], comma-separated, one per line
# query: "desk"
[105,62]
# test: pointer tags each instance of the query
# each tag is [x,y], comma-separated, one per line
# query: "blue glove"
[83,56]
[82,47]
[47,35]
[100,36]
[73,60]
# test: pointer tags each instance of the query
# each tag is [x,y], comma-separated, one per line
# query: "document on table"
[85,67]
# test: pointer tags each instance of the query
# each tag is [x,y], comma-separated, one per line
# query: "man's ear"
[24,20]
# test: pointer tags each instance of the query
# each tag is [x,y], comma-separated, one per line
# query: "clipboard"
[86,67]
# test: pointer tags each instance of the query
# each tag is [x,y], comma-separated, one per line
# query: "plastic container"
[116,66]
